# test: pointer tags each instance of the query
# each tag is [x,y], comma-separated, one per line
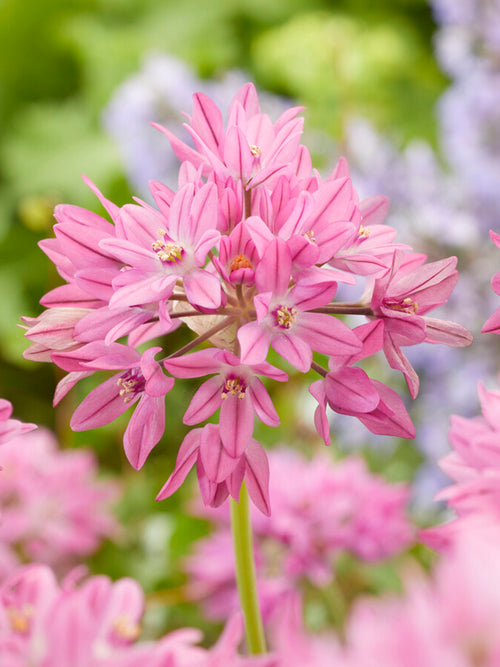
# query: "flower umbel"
[248,254]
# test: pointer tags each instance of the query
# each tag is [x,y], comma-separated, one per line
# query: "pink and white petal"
[131,253]
[374,209]
[96,282]
[327,334]
[102,406]
[207,120]
[145,429]
[194,365]
[390,417]
[317,390]
[235,479]
[310,296]
[141,292]
[236,424]
[204,212]
[67,383]
[203,289]
[262,404]
[109,324]
[139,225]
[266,173]
[112,209]
[492,324]
[186,458]
[259,232]
[304,253]
[399,362]
[237,154]
[270,371]
[182,150]
[257,477]
[217,463]
[254,342]
[274,270]
[157,384]
[209,239]
[446,332]
[205,402]
[296,218]
[330,202]
[294,349]
[350,390]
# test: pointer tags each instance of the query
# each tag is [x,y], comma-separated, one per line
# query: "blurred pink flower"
[358,512]
[52,507]
[453,620]
[96,623]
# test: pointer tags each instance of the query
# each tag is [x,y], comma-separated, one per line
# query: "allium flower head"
[248,253]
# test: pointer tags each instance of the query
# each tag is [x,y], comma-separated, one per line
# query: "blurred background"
[407,90]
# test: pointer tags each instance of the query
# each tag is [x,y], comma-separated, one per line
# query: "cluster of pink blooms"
[248,253]
[452,620]
[359,513]
[52,508]
[96,624]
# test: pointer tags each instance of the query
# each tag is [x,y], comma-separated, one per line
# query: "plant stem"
[344,309]
[245,573]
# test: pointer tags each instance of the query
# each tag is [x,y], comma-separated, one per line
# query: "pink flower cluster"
[247,253]
[53,510]
[474,466]
[96,624]
[358,513]
[453,620]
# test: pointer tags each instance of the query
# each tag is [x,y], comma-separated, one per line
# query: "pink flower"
[248,254]
[408,288]
[452,620]
[282,317]
[53,508]
[474,466]
[144,382]
[94,625]
[236,390]
[219,473]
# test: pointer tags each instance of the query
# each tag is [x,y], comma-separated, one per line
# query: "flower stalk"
[245,573]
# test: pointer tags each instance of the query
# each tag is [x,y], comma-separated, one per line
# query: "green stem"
[245,573]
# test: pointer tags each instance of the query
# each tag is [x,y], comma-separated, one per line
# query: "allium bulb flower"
[248,254]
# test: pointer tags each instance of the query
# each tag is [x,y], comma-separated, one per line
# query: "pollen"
[20,618]
[407,305]
[256,151]
[285,316]
[240,262]
[124,629]
[234,387]
[310,236]
[167,251]
[363,232]
[127,388]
